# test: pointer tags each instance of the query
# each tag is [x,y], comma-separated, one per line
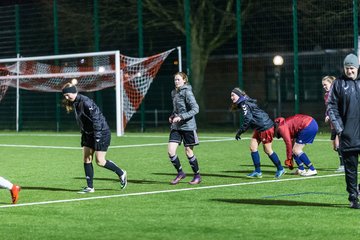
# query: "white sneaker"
[298,172]
[340,169]
[123,180]
[309,173]
[87,190]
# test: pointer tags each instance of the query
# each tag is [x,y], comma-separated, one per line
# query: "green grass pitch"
[226,205]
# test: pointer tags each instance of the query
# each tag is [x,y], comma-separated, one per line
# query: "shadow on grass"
[203,175]
[135,181]
[274,202]
[245,172]
[42,188]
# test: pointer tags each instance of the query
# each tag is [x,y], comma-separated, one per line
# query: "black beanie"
[237,92]
[71,89]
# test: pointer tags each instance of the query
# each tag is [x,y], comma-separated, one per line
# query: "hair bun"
[74,81]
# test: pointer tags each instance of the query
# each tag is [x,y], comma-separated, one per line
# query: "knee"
[189,152]
[253,149]
[87,159]
[268,151]
[297,152]
[100,162]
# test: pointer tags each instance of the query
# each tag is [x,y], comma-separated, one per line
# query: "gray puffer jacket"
[184,106]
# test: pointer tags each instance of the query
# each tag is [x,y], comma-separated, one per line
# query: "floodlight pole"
[278,62]
[179,58]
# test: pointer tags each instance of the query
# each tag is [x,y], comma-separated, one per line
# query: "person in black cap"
[263,126]
[95,134]
[344,113]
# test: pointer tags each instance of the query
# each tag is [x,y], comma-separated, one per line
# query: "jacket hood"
[185,86]
[279,121]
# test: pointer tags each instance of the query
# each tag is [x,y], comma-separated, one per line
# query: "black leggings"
[351,174]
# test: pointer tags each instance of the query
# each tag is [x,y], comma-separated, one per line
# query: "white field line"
[78,135]
[165,191]
[120,146]
[129,146]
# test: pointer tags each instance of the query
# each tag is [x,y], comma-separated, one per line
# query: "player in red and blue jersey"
[297,131]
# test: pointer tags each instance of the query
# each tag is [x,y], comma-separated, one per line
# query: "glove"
[289,163]
[237,136]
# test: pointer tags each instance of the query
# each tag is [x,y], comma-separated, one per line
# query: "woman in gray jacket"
[183,127]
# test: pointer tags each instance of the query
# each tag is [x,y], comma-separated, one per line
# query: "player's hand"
[176,119]
[327,119]
[237,136]
[289,163]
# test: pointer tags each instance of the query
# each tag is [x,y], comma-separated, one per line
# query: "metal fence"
[226,43]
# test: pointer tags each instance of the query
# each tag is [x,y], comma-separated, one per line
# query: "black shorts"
[189,138]
[333,134]
[88,140]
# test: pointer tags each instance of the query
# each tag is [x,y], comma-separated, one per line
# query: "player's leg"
[266,137]
[254,145]
[89,170]
[100,155]
[298,151]
[306,136]
[280,171]
[14,189]
[190,140]
[110,165]
[174,141]
[351,177]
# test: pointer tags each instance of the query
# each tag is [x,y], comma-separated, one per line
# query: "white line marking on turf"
[120,146]
[167,191]
[130,146]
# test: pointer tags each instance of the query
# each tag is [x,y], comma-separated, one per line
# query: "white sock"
[5,183]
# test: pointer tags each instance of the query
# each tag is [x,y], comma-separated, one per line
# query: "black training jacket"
[89,117]
[254,117]
[343,107]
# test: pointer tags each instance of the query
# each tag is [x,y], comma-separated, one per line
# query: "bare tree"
[212,23]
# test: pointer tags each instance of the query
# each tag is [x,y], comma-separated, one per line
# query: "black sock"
[89,174]
[194,164]
[176,162]
[113,167]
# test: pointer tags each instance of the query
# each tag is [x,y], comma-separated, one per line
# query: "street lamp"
[278,62]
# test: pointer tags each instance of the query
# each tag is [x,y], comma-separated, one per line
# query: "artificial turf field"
[226,205]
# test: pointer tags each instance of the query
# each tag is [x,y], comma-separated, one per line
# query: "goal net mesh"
[93,73]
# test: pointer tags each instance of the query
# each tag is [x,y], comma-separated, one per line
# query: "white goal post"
[95,71]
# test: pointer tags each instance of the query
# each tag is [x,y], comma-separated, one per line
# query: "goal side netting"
[130,76]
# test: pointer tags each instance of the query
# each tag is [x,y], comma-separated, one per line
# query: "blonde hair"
[183,75]
[66,103]
[329,79]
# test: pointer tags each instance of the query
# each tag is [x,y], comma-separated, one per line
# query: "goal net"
[130,76]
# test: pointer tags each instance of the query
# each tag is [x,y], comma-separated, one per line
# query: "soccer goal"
[94,71]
